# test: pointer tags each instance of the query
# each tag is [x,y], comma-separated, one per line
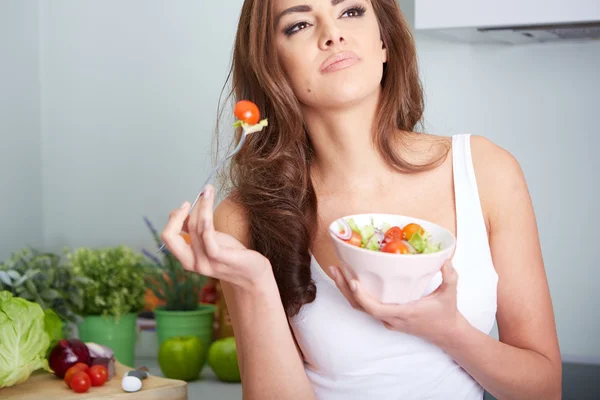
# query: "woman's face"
[330,50]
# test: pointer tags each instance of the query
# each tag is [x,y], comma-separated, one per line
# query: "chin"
[344,90]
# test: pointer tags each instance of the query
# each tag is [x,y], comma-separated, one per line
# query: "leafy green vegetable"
[422,244]
[53,326]
[23,339]
[112,280]
[353,225]
[44,278]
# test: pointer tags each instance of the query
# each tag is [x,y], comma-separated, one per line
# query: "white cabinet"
[510,20]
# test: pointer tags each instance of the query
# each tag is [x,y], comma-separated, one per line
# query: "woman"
[338,82]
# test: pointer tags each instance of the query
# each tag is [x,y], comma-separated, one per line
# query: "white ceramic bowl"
[393,278]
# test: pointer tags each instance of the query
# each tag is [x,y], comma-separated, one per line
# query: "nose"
[331,36]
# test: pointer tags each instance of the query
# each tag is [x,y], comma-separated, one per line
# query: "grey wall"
[129,98]
[20,159]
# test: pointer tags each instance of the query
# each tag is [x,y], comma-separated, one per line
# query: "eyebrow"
[301,9]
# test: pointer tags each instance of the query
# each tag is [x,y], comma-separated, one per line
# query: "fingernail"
[184,205]
[353,285]
[333,272]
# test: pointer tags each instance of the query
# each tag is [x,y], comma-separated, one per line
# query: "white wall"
[129,94]
[20,165]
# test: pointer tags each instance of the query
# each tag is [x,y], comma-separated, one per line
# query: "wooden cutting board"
[45,386]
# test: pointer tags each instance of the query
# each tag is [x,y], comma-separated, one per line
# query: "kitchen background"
[107,110]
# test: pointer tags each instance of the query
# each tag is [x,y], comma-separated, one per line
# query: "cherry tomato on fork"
[247,112]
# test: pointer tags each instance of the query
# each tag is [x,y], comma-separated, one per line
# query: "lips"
[339,61]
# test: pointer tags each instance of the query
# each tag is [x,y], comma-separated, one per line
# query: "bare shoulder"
[230,217]
[499,176]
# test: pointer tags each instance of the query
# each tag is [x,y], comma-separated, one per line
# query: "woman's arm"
[526,362]
[270,364]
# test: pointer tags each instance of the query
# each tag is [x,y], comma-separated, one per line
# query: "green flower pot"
[185,323]
[118,334]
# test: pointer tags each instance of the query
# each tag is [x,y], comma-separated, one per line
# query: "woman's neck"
[344,151]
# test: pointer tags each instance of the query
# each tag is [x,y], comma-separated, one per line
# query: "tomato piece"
[393,234]
[411,229]
[247,111]
[69,374]
[355,240]
[81,382]
[98,375]
[396,247]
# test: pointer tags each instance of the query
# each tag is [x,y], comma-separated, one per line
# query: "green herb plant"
[115,280]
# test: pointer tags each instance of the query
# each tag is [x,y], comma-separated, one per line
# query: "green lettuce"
[422,244]
[54,328]
[23,339]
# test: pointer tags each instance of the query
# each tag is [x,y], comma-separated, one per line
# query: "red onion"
[102,355]
[347,231]
[65,354]
[379,235]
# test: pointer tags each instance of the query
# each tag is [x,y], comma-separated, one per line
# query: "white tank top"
[350,355]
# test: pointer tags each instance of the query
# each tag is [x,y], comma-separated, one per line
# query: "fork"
[234,152]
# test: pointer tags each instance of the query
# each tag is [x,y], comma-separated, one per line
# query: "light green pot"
[185,323]
[117,334]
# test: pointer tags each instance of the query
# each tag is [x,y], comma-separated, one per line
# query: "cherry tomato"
[247,111]
[355,240]
[82,366]
[80,382]
[98,375]
[411,229]
[396,247]
[69,374]
[392,234]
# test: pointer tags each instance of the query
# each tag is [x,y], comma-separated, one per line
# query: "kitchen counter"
[207,387]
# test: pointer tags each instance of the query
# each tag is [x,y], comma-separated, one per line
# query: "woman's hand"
[434,317]
[211,253]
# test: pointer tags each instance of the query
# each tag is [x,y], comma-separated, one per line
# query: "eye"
[354,12]
[291,29]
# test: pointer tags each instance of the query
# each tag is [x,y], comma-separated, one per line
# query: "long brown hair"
[270,176]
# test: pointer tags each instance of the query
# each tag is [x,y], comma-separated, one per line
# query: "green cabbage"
[23,339]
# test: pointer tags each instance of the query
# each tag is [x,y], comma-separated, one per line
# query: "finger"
[343,286]
[185,227]
[213,250]
[173,240]
[449,274]
[196,223]
[374,307]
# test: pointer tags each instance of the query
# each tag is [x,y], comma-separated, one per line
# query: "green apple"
[182,357]
[222,358]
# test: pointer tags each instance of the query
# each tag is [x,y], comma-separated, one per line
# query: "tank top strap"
[470,222]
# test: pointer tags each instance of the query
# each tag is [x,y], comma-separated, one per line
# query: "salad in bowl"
[394,257]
